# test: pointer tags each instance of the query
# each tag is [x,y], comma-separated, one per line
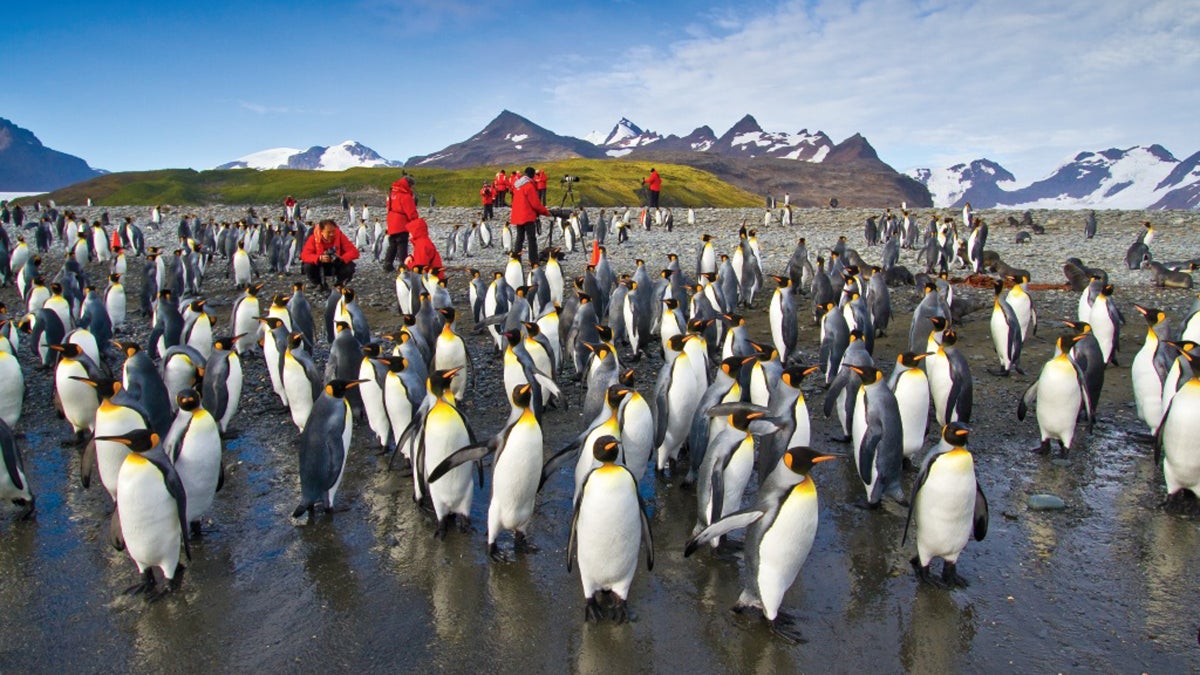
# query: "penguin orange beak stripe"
[823,458]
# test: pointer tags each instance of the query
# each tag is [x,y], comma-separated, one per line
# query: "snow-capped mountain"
[1132,178]
[976,182]
[624,137]
[344,155]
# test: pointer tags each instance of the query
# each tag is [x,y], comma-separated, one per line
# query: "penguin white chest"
[945,507]
[785,545]
[608,531]
[1181,452]
[149,519]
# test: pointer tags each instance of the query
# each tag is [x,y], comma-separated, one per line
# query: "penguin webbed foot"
[925,575]
[463,523]
[146,584]
[443,527]
[1182,502]
[620,610]
[521,544]
[1043,449]
[951,578]
[784,630]
[27,512]
[497,554]
[230,434]
[592,611]
[78,440]
[999,372]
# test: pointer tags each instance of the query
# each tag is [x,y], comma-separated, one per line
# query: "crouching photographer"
[328,253]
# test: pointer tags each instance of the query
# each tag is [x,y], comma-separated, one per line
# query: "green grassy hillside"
[603,183]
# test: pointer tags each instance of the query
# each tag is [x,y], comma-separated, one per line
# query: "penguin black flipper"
[647,535]
[916,488]
[1158,435]
[12,459]
[979,525]
[1084,394]
[716,487]
[87,466]
[221,477]
[1026,400]
[726,409]
[661,406]
[115,537]
[573,540]
[729,523]
[835,388]
[558,459]
[471,453]
[866,457]
[175,489]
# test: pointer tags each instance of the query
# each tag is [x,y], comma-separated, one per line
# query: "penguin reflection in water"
[607,528]
[783,525]
[948,507]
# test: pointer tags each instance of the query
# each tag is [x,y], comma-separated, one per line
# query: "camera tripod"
[569,193]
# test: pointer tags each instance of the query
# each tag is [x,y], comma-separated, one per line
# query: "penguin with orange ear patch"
[323,445]
[151,514]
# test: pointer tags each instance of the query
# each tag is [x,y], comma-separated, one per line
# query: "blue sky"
[146,85]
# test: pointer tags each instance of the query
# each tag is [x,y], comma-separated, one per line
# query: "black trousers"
[397,248]
[488,212]
[525,233]
[653,198]
[317,273]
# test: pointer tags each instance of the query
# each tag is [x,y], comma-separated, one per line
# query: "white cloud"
[1025,83]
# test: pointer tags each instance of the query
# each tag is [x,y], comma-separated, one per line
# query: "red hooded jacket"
[654,182]
[401,207]
[526,206]
[424,251]
[540,179]
[316,245]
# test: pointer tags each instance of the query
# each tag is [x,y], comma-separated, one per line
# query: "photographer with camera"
[653,184]
[488,197]
[328,253]
[526,207]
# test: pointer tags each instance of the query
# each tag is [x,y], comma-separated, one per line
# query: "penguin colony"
[726,416]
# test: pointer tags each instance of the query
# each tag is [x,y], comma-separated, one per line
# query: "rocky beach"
[1107,582]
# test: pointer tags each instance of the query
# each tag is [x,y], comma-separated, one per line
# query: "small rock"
[1060,461]
[1046,503]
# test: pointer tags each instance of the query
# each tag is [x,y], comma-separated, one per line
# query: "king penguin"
[948,507]
[515,473]
[223,383]
[783,525]
[194,446]
[324,444]
[77,399]
[151,515]
[608,527]
[1175,447]
[1060,390]
[911,387]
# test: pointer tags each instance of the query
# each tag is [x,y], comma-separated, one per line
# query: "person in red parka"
[540,181]
[328,252]
[487,196]
[401,209]
[424,251]
[653,183]
[526,207]
[500,187]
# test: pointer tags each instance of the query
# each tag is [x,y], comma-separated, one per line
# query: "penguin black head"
[372,350]
[930,287]
[513,337]
[531,328]
[732,366]
[408,319]
[939,322]
[295,340]
[56,288]
[338,388]
[869,374]
[998,287]
[447,313]
[783,282]
[956,434]
[605,333]
[439,380]
[106,387]
[627,377]
[226,342]
[794,375]
[188,399]
[340,326]
[605,449]
[130,348]
[272,322]
[911,359]
[697,326]
[1080,327]
[197,305]
[521,395]
[137,440]
[801,459]
[675,342]
[856,335]
[68,349]
[615,394]
[348,293]
[1153,315]
[671,303]
[280,300]
[741,419]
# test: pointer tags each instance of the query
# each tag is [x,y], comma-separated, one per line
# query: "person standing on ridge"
[653,183]
[500,187]
[526,207]
[540,180]
[289,206]
[401,209]
[487,196]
